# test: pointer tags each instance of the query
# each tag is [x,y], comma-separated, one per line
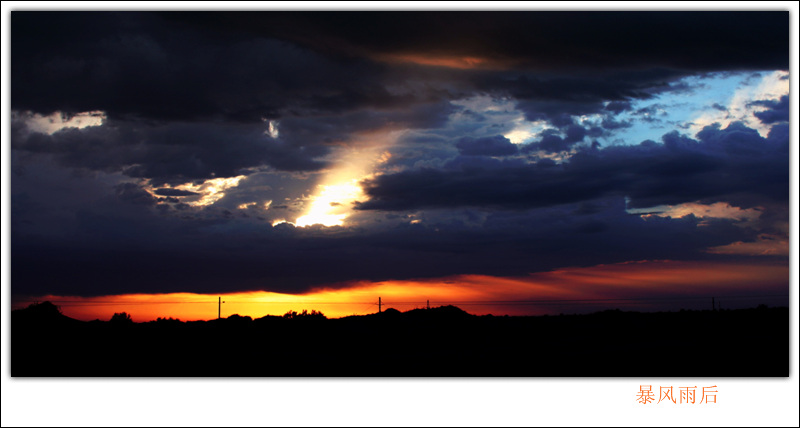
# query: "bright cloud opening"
[715,210]
[209,191]
[57,121]
[339,188]
[212,190]
[272,128]
[331,206]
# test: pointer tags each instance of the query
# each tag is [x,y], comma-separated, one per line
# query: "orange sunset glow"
[644,285]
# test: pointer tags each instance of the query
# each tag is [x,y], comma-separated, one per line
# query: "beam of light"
[641,286]
[331,206]
[339,188]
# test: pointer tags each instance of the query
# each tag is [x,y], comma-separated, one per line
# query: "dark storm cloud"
[618,106]
[174,152]
[170,153]
[138,64]
[778,111]
[174,192]
[120,246]
[735,162]
[497,145]
[334,129]
[245,65]
[575,133]
[170,79]
[462,163]
[541,40]
[612,124]
[192,96]
[550,142]
[120,256]
[133,193]
[557,99]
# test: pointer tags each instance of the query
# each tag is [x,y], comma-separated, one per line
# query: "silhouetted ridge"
[442,341]
[41,313]
[440,313]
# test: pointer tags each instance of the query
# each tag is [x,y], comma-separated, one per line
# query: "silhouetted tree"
[167,321]
[314,314]
[121,318]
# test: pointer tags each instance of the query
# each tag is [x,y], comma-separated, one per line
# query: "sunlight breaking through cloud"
[331,206]
[49,124]
[209,191]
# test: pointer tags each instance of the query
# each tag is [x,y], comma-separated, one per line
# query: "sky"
[508,162]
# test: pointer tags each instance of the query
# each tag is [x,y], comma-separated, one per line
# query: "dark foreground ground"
[438,342]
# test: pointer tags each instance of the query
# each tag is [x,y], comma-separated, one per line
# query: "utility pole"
[429,304]
[713,306]
[379,305]
[219,307]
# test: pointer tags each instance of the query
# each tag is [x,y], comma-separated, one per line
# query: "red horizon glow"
[642,285]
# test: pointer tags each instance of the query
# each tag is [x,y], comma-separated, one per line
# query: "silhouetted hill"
[443,341]
[438,313]
[44,313]
[391,312]
[449,312]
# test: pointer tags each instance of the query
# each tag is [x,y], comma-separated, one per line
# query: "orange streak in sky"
[458,62]
[655,281]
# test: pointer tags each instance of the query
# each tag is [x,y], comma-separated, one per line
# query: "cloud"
[778,111]
[765,245]
[735,162]
[171,152]
[174,192]
[133,64]
[497,145]
[611,124]
[119,256]
[136,137]
[537,40]
[133,193]
[758,93]
[246,66]
[617,107]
